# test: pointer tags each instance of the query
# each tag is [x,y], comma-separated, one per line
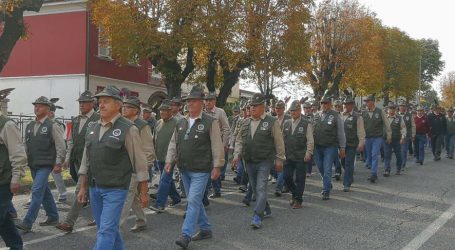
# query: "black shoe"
[277,193]
[49,222]
[386,174]
[153,196]
[372,178]
[182,195]
[337,176]
[421,163]
[398,172]
[325,196]
[23,227]
[253,198]
[285,190]
[237,180]
[173,203]
[215,195]
[157,208]
[205,202]
[183,241]
[243,189]
[246,202]
[437,158]
[202,235]
[346,189]
[12,215]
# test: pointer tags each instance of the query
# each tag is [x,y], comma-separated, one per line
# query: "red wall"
[108,68]
[55,46]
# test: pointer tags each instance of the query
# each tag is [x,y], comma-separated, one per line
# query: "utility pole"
[420,78]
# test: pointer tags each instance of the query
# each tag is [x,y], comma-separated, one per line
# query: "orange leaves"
[448,90]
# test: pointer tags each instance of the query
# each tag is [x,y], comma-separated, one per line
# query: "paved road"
[400,212]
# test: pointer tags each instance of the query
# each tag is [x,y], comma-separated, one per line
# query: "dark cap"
[210,96]
[236,108]
[165,105]
[197,92]
[280,105]
[133,100]
[337,103]
[86,96]
[177,100]
[348,100]
[307,105]
[315,104]
[54,107]
[295,105]
[257,99]
[42,100]
[392,106]
[370,98]
[110,91]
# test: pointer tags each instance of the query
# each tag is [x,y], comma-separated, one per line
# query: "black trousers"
[8,230]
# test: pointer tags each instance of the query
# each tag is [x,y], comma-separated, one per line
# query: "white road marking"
[431,230]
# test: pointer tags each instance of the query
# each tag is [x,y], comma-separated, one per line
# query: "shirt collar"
[296,120]
[211,110]
[187,117]
[391,116]
[41,120]
[110,123]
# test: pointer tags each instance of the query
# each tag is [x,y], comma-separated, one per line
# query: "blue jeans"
[396,147]
[258,174]
[298,187]
[337,164]
[8,230]
[450,144]
[240,170]
[216,184]
[373,150]
[324,157]
[348,163]
[404,151]
[166,187]
[41,194]
[279,179]
[195,185]
[419,147]
[107,205]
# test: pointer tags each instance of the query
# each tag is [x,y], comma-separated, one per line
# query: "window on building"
[104,46]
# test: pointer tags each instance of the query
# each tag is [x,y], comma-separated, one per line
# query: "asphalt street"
[410,211]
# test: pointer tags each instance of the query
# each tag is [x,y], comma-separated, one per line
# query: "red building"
[63,56]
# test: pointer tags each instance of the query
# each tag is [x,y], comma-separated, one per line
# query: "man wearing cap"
[354,131]
[398,127]
[450,139]
[376,123]
[87,117]
[438,129]
[131,110]
[148,117]
[233,121]
[299,145]
[176,107]
[338,108]
[197,147]
[234,118]
[111,155]
[410,131]
[162,135]
[422,130]
[12,162]
[281,116]
[330,140]
[58,178]
[222,119]
[260,143]
[46,151]
[315,107]
[308,114]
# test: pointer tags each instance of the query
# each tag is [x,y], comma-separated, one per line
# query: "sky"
[421,19]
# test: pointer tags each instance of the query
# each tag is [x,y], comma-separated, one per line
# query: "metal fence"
[23,120]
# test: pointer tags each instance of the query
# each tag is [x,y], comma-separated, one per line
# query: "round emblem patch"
[116,132]
[376,115]
[90,124]
[300,129]
[397,120]
[44,130]
[200,127]
[265,124]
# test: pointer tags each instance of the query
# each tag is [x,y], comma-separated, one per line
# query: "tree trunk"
[211,72]
[230,79]
[14,28]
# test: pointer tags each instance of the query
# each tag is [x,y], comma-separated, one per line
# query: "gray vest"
[325,130]
[261,147]
[5,164]
[295,143]
[407,118]
[41,150]
[110,164]
[79,138]
[140,124]
[194,146]
[374,126]
[395,126]
[350,130]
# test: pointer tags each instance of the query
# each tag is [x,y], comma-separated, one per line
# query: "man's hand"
[307,158]
[14,187]
[235,161]
[360,148]
[279,165]
[389,141]
[402,141]
[216,173]
[66,165]
[57,168]
[168,168]
[342,153]
[82,195]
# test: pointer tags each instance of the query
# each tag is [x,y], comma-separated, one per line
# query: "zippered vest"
[40,147]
